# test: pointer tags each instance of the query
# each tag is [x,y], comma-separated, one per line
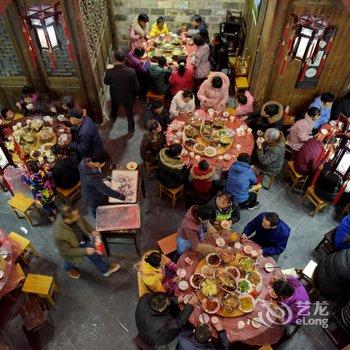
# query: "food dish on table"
[225,139]
[36,124]
[191,131]
[206,131]
[211,306]
[227,257]
[189,143]
[230,303]
[226,282]
[218,123]
[195,280]
[35,154]
[46,134]
[197,122]
[210,151]
[247,249]
[244,286]
[209,287]
[198,148]
[234,272]
[213,260]
[215,144]
[246,303]
[207,271]
[246,265]
[254,278]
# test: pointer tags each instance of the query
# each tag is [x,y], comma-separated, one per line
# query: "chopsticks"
[254,320]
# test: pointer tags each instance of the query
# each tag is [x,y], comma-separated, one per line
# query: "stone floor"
[98,313]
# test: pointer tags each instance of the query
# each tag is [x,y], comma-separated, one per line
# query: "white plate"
[204,318]
[220,242]
[255,323]
[269,267]
[183,285]
[214,320]
[181,273]
[1,274]
[3,253]
[240,325]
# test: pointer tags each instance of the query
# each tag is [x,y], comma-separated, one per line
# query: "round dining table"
[241,143]
[10,278]
[269,331]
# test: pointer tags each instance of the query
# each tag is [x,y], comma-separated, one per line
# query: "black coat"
[65,173]
[218,57]
[332,274]
[341,106]
[328,184]
[124,86]
[160,328]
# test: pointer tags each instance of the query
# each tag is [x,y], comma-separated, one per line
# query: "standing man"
[124,87]
[324,103]
[86,138]
[198,27]
[218,53]
[71,234]
[271,233]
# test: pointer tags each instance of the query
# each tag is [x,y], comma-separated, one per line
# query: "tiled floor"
[98,313]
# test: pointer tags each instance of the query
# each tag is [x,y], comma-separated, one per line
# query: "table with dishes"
[234,286]
[206,134]
[9,277]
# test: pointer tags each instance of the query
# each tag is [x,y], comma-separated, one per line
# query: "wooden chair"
[326,245]
[267,181]
[150,167]
[241,84]
[151,96]
[172,193]
[318,203]
[21,205]
[20,272]
[168,244]
[41,285]
[32,314]
[70,194]
[297,179]
[27,249]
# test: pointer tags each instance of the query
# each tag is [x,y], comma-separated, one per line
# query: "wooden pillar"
[112,24]
[266,57]
[75,23]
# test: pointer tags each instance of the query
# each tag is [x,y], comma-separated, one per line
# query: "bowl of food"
[195,280]
[225,224]
[227,257]
[225,139]
[244,286]
[35,154]
[234,272]
[209,287]
[269,267]
[273,294]
[215,144]
[191,131]
[246,265]
[226,281]
[207,271]
[254,278]
[206,131]
[230,303]
[199,148]
[218,123]
[211,306]
[28,137]
[210,151]
[195,121]
[213,259]
[189,143]
[131,166]
[246,303]
[167,47]
[47,134]
[36,124]
[183,285]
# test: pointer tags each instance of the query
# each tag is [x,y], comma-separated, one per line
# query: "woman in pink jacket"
[213,93]
[201,63]
[138,31]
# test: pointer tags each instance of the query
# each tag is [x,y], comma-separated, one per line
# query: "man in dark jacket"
[159,319]
[341,106]
[240,178]
[94,191]
[307,159]
[218,53]
[86,138]
[155,110]
[124,87]
[199,27]
[342,234]
[159,77]
[224,208]
[332,276]
[201,338]
[271,233]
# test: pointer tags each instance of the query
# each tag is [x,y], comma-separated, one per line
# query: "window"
[42,18]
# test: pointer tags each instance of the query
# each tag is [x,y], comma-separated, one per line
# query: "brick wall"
[174,11]
[9,63]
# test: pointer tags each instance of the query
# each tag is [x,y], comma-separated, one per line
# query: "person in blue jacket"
[201,338]
[324,103]
[271,233]
[94,191]
[342,234]
[240,178]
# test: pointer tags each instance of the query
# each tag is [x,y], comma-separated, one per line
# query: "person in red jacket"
[202,177]
[307,159]
[181,78]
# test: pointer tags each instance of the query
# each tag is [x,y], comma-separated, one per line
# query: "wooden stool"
[150,167]
[70,194]
[168,244]
[172,193]
[43,286]
[241,84]
[20,272]
[21,205]
[27,249]
[151,96]
[32,315]
[326,244]
[297,179]
[319,203]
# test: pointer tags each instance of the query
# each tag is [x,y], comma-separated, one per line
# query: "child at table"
[202,177]
[157,272]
